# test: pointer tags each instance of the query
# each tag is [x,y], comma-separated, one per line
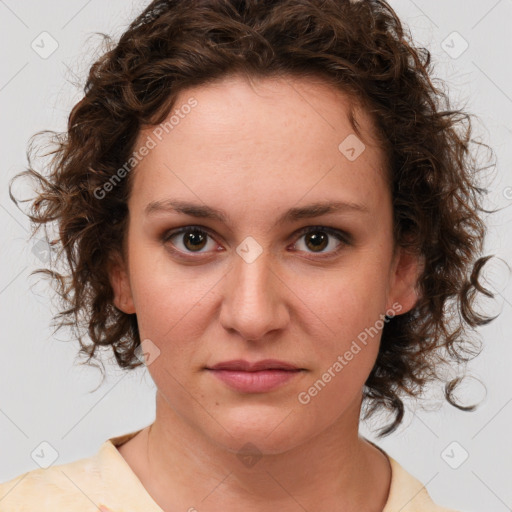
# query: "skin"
[255,150]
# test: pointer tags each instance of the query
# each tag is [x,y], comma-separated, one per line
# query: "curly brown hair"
[361,48]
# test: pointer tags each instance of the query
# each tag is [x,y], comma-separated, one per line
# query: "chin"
[268,430]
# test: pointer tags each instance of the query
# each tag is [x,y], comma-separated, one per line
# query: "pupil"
[318,240]
[195,239]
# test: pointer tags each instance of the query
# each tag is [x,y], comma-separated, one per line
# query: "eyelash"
[343,237]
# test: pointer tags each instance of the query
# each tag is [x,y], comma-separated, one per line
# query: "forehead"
[269,104]
[288,134]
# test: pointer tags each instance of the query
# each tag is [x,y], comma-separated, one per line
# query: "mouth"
[246,366]
[259,377]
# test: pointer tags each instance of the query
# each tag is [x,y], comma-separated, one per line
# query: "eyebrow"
[293,214]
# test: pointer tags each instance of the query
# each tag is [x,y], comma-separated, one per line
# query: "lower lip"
[255,382]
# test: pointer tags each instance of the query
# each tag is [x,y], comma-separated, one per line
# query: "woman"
[269,205]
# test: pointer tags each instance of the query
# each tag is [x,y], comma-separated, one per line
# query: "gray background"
[45,396]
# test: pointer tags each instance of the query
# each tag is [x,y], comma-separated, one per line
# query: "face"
[258,231]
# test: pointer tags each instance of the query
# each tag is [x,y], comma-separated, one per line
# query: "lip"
[246,366]
[259,377]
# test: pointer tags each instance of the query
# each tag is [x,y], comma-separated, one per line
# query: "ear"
[120,282]
[406,271]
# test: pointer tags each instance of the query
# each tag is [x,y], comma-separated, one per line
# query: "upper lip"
[246,366]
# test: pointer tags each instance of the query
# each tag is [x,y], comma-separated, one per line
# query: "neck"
[181,468]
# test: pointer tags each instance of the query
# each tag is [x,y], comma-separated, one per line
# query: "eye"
[319,238]
[194,239]
[191,239]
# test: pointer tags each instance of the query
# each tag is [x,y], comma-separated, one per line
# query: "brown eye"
[317,239]
[194,240]
[188,239]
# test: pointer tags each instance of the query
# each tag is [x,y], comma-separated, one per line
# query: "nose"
[254,304]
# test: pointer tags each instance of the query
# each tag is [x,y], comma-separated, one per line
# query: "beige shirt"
[106,479]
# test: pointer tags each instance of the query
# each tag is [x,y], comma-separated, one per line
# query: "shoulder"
[69,485]
[408,494]
[82,485]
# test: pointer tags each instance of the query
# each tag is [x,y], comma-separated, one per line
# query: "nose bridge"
[251,304]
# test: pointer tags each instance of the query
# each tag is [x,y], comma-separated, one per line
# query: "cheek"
[174,306]
[349,304]
[346,345]
[350,299]
[167,295]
